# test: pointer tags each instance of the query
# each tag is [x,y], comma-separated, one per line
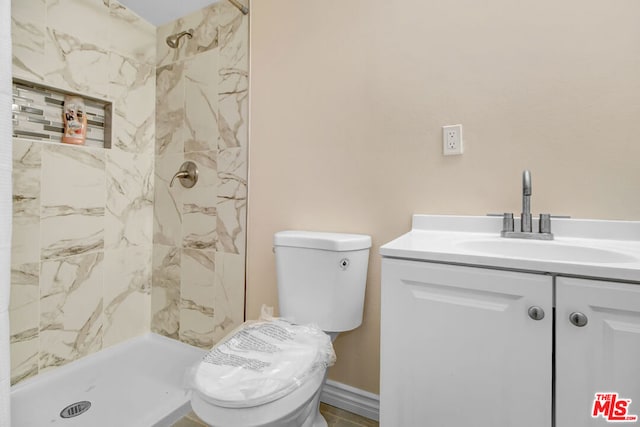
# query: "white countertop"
[587,248]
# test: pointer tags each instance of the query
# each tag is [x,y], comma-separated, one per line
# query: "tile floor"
[335,418]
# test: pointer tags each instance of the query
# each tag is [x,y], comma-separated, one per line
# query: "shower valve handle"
[188,175]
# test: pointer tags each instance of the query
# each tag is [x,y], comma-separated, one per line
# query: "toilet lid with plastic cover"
[262,361]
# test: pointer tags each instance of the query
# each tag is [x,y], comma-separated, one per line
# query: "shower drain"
[75,409]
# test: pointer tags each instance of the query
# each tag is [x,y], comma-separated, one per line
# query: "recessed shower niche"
[37,114]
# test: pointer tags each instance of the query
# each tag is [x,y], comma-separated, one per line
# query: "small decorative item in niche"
[38,115]
[75,120]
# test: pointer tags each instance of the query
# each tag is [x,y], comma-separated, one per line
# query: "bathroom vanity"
[478,330]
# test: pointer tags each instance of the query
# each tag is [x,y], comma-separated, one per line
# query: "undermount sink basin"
[545,250]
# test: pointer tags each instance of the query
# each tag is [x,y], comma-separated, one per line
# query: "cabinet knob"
[578,319]
[536,313]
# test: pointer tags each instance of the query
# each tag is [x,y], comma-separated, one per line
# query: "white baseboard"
[351,399]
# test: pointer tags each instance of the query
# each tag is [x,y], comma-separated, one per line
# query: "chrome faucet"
[544,223]
[525,215]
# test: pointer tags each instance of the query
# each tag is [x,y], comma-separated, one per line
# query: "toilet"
[321,281]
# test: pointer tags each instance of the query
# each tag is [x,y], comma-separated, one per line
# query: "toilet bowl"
[299,408]
[321,283]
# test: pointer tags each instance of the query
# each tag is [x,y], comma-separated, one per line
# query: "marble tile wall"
[199,233]
[83,217]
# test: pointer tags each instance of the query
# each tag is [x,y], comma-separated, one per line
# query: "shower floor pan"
[139,383]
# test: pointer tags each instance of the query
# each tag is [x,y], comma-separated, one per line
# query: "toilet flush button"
[344,263]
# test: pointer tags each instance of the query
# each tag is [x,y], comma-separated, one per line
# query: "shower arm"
[240,6]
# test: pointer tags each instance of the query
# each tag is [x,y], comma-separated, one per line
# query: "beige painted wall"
[347,103]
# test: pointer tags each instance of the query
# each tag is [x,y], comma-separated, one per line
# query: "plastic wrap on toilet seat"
[261,361]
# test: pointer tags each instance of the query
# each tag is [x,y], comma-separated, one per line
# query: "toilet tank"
[322,277]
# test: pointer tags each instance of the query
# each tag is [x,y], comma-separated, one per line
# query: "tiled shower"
[199,233]
[103,250]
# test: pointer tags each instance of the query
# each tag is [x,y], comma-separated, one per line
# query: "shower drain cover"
[75,409]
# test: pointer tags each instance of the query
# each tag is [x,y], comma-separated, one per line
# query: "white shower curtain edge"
[5,208]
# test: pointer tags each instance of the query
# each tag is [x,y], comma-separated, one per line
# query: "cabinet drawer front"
[459,348]
[601,356]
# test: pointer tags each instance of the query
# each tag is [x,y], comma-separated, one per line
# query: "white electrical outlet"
[452,140]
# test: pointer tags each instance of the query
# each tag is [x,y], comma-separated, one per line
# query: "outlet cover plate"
[452,140]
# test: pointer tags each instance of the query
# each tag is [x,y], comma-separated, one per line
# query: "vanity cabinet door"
[602,356]
[459,348]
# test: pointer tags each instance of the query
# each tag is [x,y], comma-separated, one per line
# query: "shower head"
[244,9]
[174,39]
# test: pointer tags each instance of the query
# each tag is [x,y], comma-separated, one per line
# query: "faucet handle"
[545,223]
[507,222]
